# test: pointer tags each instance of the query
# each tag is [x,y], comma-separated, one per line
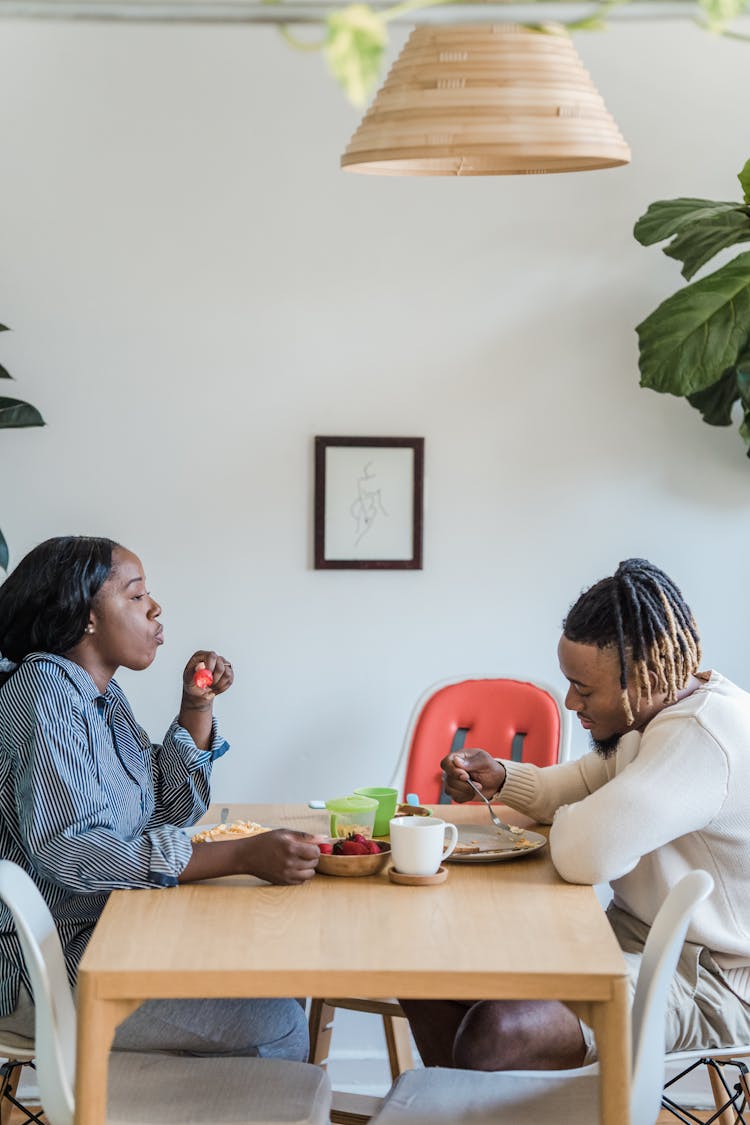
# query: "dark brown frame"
[413,563]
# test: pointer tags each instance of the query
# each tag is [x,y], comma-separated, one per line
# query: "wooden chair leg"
[398,1042]
[745,1084]
[729,1116]
[9,1086]
[320,1025]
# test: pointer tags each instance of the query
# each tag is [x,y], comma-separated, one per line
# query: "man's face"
[594,693]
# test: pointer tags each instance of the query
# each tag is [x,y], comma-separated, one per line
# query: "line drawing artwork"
[368,503]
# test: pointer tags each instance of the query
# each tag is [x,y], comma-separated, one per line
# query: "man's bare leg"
[434,1025]
[496,1034]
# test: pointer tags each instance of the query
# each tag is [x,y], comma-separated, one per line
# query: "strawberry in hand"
[203,677]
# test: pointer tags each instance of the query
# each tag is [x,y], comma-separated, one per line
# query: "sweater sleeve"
[676,784]
[539,792]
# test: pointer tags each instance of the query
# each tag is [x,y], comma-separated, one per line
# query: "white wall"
[196,290]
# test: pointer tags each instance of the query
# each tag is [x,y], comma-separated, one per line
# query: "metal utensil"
[495,819]
[224,815]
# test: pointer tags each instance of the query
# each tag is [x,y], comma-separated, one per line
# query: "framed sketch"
[368,503]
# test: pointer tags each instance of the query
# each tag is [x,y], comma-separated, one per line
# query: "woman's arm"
[279,856]
[182,763]
[196,709]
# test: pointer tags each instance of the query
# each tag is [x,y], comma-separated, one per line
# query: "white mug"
[418,843]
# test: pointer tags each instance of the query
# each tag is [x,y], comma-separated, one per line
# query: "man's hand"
[476,764]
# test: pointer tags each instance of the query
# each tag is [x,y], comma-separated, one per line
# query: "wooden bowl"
[354,865]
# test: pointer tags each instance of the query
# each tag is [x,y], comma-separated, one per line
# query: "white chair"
[436,1096]
[148,1089]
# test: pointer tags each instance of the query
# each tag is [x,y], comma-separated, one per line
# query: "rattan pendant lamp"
[486,100]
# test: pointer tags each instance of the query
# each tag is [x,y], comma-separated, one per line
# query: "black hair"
[45,602]
[641,612]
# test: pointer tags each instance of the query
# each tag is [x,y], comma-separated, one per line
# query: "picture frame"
[369,495]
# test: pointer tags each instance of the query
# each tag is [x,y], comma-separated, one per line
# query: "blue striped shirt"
[87,803]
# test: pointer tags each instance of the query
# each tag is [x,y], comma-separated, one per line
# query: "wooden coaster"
[418,880]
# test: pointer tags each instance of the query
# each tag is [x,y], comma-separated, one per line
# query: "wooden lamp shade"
[486,100]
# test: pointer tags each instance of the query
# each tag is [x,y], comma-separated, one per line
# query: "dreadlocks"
[641,611]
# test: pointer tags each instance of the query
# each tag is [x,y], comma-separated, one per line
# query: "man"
[665,789]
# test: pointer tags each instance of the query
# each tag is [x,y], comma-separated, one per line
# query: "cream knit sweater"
[674,797]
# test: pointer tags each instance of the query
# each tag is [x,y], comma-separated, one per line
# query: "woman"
[88,804]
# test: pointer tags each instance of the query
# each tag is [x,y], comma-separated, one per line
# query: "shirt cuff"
[171,850]
[189,751]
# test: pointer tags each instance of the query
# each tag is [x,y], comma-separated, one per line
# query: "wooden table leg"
[96,1023]
[611,1024]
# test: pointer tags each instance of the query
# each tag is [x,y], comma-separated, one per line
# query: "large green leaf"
[691,339]
[744,178]
[668,216]
[16,414]
[697,242]
[745,430]
[715,402]
[3,552]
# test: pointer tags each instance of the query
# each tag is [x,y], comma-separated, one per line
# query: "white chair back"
[55,1035]
[660,956]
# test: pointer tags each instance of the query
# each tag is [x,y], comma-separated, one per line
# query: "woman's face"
[123,626]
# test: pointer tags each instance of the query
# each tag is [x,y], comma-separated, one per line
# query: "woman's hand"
[196,709]
[221,673]
[279,856]
[483,769]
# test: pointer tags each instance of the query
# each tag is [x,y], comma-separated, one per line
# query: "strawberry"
[358,838]
[353,847]
[373,848]
[203,677]
[326,849]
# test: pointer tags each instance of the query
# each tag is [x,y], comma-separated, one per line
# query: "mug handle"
[451,828]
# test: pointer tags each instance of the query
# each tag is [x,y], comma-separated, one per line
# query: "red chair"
[511,718]
[508,717]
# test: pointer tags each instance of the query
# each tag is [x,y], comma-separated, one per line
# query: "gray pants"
[265,1028]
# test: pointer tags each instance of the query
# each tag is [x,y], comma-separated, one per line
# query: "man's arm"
[675,785]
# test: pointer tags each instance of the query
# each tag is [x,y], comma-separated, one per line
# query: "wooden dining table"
[511,930]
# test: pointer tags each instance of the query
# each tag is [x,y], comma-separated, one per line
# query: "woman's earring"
[89,629]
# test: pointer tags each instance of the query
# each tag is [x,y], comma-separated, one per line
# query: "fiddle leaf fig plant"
[14,413]
[696,344]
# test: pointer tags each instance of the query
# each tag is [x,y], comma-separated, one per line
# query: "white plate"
[493,844]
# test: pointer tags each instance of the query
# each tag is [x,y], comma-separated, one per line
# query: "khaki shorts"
[702,1010]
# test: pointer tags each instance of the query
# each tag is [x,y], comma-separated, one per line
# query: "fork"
[495,819]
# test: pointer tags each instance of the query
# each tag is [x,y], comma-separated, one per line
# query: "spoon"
[495,819]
